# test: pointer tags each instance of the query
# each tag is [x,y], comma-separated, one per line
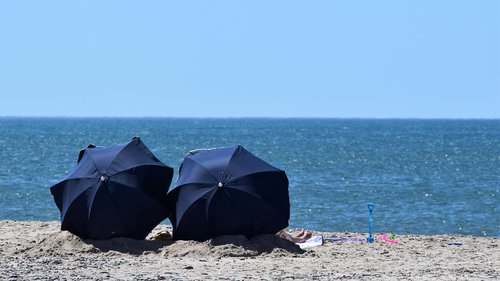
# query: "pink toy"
[388,237]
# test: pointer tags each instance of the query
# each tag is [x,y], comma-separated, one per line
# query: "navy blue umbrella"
[117,191]
[228,191]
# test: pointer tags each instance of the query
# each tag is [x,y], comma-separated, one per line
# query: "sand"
[34,250]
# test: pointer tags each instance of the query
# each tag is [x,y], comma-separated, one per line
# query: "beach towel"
[311,242]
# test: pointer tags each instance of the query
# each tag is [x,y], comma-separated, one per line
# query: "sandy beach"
[34,250]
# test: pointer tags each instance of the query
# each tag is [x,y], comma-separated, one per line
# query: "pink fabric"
[384,236]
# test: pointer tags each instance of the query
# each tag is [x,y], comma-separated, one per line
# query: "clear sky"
[368,59]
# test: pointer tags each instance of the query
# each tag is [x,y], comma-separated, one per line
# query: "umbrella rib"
[201,164]
[117,209]
[256,196]
[257,172]
[198,197]
[141,166]
[207,207]
[118,153]
[111,162]
[125,183]
[271,206]
[93,161]
[233,206]
[154,164]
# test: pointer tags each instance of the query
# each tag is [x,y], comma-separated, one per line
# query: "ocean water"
[423,176]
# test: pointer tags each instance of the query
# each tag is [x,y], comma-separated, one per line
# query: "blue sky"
[368,59]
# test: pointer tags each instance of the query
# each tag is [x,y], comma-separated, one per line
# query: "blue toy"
[370,208]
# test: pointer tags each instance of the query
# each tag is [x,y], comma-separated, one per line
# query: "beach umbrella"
[228,191]
[117,191]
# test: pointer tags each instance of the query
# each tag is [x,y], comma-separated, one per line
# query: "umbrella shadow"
[260,244]
[66,243]
[129,245]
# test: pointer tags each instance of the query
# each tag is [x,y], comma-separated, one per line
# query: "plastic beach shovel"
[370,209]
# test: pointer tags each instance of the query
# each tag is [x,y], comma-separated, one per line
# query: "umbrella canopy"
[117,191]
[228,191]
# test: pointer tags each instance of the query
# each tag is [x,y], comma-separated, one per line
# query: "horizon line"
[244,117]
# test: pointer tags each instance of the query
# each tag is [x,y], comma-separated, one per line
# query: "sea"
[423,176]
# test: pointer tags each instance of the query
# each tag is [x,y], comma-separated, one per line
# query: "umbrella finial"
[220,184]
